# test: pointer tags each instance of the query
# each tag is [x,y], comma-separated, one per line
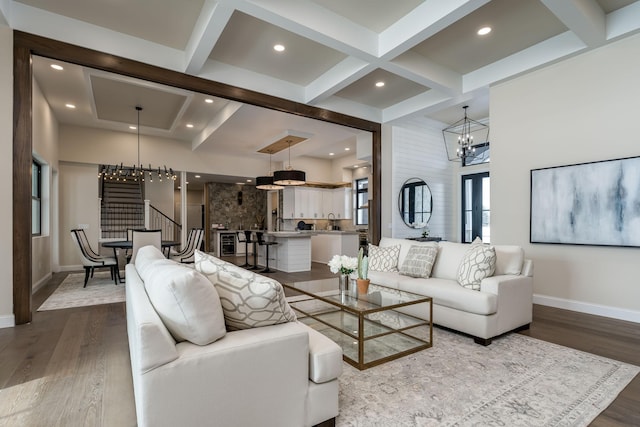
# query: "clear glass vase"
[344,283]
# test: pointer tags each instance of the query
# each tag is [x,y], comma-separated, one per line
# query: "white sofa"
[504,302]
[278,375]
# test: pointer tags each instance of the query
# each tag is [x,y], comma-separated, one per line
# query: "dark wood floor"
[71,367]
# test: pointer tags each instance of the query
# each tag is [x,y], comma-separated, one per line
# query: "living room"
[573,111]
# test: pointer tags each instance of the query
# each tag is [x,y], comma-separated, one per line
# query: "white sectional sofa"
[503,303]
[283,374]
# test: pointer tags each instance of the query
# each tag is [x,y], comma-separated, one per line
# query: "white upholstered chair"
[186,255]
[90,260]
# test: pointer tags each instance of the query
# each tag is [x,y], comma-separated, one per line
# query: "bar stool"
[242,238]
[247,235]
[266,244]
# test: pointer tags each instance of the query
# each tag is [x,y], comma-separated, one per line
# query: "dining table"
[128,244]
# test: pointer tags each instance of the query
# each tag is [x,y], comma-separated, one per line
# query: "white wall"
[45,150]
[580,110]
[418,152]
[79,206]
[6,180]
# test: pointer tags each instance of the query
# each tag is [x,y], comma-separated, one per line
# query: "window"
[483,155]
[362,201]
[36,198]
[476,212]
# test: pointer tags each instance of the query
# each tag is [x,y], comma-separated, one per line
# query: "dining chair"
[186,255]
[142,238]
[91,262]
[84,241]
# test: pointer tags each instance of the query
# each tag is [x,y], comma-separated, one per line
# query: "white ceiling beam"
[338,77]
[623,21]
[224,73]
[218,120]
[351,108]
[421,23]
[417,68]
[307,19]
[46,24]
[414,105]
[546,52]
[211,22]
[584,17]
[5,12]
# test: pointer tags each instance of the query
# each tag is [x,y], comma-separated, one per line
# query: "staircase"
[122,208]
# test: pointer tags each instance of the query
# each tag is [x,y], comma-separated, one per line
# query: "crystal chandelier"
[466,136]
[136,172]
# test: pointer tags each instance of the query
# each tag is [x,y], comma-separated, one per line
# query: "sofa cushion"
[389,279]
[186,302]
[449,293]
[405,245]
[478,262]
[145,257]
[383,259]
[419,261]
[509,259]
[249,300]
[448,260]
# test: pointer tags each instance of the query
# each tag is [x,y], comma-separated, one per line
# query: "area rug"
[516,381]
[70,293]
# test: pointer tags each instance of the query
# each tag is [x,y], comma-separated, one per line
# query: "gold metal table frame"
[368,327]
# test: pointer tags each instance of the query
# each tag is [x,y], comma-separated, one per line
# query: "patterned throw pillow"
[477,263]
[249,300]
[419,261]
[383,259]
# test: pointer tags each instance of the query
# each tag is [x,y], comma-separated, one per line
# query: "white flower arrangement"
[343,264]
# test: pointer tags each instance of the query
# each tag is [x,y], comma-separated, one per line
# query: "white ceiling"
[426,51]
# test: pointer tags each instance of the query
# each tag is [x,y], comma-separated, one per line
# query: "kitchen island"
[292,254]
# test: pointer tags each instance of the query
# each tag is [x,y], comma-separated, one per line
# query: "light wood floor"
[71,367]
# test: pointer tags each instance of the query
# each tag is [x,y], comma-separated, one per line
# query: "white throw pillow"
[509,259]
[145,257]
[477,263]
[419,261]
[186,302]
[383,259]
[249,300]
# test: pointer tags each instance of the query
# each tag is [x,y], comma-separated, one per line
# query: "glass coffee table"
[368,327]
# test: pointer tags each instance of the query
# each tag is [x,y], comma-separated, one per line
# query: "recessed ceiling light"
[379,84]
[347,149]
[278,48]
[132,127]
[248,180]
[355,166]
[189,125]
[484,31]
[197,176]
[70,106]
[57,67]
[332,154]
[209,101]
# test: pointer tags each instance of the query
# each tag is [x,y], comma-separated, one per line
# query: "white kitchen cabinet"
[342,203]
[316,203]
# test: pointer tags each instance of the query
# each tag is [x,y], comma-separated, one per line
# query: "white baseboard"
[40,283]
[8,321]
[588,308]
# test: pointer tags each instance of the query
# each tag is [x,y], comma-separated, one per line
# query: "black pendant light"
[289,176]
[266,182]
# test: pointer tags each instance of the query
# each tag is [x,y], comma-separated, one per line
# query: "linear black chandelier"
[135,172]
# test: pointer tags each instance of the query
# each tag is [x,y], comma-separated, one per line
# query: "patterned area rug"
[100,290]
[516,381]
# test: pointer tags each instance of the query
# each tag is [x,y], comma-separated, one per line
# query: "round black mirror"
[415,203]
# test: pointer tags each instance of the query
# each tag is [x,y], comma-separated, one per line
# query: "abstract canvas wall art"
[594,203]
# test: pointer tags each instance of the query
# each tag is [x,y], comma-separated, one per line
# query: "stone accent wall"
[225,209]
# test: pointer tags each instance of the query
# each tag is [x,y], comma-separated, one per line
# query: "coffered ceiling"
[426,52]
